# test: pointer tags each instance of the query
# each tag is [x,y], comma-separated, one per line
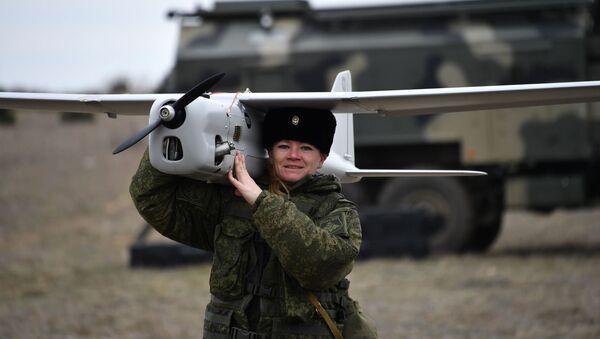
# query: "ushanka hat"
[309,125]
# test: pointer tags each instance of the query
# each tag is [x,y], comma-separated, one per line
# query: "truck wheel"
[483,236]
[442,197]
[355,193]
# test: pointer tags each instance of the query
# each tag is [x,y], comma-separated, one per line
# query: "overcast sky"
[75,46]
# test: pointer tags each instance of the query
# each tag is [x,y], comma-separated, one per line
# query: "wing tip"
[378,173]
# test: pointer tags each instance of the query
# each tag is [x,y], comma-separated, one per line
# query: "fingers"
[245,186]
[232,179]
[240,159]
[237,166]
[235,183]
[240,166]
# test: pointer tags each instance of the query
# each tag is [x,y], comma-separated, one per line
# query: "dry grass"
[66,222]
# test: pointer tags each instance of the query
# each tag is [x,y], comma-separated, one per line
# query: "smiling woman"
[293,160]
[298,141]
[283,244]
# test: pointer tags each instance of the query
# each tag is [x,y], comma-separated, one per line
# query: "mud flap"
[146,254]
[397,232]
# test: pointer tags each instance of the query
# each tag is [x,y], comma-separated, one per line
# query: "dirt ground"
[66,222]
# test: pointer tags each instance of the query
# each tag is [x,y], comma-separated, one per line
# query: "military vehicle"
[537,158]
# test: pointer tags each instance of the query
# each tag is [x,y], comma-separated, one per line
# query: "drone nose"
[172,149]
[172,115]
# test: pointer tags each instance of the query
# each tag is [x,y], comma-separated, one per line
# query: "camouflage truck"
[539,157]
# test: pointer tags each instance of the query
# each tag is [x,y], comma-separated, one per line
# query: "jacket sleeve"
[179,208]
[317,254]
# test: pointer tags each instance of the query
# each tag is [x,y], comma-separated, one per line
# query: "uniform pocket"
[230,261]
[359,325]
[217,322]
[336,223]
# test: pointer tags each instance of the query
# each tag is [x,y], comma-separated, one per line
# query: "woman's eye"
[283,146]
[307,148]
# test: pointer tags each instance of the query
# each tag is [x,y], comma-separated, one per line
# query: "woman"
[282,245]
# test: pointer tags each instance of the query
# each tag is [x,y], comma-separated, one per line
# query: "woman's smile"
[293,160]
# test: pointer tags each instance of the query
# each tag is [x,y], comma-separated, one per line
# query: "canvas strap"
[315,302]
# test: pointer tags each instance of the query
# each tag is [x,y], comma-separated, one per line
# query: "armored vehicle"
[537,158]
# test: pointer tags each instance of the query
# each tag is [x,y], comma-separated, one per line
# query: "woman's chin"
[291,178]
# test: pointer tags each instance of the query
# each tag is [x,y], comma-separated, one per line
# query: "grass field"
[66,222]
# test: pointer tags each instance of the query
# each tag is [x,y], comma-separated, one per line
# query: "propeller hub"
[171,115]
[167,113]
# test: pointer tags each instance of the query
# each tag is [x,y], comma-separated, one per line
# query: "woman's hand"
[246,186]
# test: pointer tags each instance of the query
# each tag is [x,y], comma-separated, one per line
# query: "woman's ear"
[323,158]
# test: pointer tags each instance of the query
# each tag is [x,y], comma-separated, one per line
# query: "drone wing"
[112,104]
[430,101]
[384,173]
[420,101]
[395,102]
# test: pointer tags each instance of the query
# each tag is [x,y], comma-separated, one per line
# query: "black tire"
[484,235]
[356,193]
[441,196]
[488,206]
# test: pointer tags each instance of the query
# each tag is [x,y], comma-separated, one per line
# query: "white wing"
[395,102]
[126,104]
[382,173]
[428,101]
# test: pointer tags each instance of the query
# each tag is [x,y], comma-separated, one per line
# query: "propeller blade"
[197,91]
[178,107]
[138,136]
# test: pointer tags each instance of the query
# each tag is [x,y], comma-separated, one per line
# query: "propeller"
[172,115]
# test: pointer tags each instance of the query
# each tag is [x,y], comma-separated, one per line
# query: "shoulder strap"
[315,302]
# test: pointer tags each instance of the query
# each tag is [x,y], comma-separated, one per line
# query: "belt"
[240,333]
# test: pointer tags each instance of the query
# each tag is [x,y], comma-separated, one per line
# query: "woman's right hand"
[242,181]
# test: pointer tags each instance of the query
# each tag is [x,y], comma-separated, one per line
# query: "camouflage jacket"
[267,256]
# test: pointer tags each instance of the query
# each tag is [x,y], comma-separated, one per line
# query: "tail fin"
[341,156]
[343,143]
[343,82]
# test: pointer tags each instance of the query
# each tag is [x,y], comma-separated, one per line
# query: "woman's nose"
[294,152]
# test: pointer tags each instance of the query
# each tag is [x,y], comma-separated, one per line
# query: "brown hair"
[276,185]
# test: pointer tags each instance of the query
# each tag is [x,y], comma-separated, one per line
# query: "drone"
[197,134]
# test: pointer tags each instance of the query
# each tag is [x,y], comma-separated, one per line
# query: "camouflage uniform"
[266,257]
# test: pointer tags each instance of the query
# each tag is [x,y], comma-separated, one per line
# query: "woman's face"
[293,160]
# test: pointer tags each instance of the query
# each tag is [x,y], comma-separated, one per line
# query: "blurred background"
[513,254]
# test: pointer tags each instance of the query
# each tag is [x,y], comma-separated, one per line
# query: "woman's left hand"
[246,186]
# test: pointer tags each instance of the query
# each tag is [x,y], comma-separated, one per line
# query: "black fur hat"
[313,126]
